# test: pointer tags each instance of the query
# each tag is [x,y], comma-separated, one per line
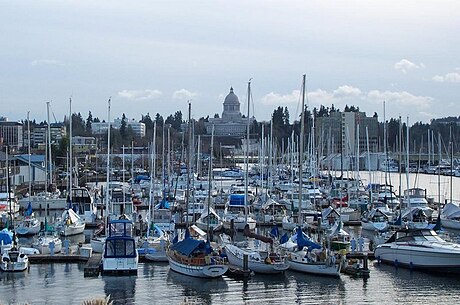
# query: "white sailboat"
[71,223]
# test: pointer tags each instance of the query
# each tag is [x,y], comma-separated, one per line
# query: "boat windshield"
[420,236]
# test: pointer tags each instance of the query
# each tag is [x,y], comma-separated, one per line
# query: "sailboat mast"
[302,127]
[246,165]
[210,180]
[407,171]
[28,155]
[70,169]
[189,165]
[108,171]
[49,141]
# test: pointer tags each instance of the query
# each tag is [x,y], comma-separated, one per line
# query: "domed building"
[232,122]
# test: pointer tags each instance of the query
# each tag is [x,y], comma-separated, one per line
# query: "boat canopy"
[190,245]
[6,237]
[236,199]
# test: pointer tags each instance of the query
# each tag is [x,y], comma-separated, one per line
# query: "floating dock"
[56,258]
[92,267]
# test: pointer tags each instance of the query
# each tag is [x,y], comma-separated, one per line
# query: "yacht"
[235,212]
[420,249]
[120,255]
[14,260]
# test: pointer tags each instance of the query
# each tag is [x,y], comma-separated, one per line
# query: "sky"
[154,56]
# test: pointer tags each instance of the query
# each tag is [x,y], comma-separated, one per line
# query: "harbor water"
[157,284]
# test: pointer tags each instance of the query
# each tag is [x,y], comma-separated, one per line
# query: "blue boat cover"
[29,211]
[302,242]
[164,204]
[274,232]
[236,199]
[190,245]
[6,237]
[284,238]
[139,178]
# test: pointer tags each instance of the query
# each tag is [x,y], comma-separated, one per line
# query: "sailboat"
[12,258]
[29,225]
[191,256]
[71,222]
[47,241]
[98,241]
[304,254]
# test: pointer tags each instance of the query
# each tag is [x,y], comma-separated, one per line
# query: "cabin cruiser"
[14,260]
[420,249]
[120,254]
[237,212]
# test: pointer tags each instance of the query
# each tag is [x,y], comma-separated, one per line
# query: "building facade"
[232,123]
[40,133]
[11,134]
[102,127]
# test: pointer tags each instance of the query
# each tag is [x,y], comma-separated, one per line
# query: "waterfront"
[156,284]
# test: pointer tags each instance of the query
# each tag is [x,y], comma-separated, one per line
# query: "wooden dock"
[56,258]
[92,267]
[361,255]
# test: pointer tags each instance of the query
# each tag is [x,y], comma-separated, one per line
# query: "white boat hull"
[374,226]
[97,244]
[29,230]
[235,257]
[206,271]
[239,224]
[43,245]
[120,265]
[157,256]
[423,258]
[20,264]
[450,224]
[73,229]
[315,268]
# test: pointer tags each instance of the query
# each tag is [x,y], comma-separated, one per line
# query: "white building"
[102,127]
[232,122]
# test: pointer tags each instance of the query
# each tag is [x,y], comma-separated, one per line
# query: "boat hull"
[315,268]
[423,258]
[450,224]
[207,271]
[374,226]
[73,230]
[235,257]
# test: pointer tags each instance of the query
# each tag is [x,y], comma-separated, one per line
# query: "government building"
[232,123]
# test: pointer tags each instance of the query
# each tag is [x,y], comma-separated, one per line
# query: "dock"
[361,255]
[56,258]
[92,267]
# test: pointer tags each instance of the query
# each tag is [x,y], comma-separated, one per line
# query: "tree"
[123,127]
[89,121]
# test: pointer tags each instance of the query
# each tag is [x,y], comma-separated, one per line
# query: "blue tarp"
[139,178]
[302,242]
[29,211]
[284,238]
[189,245]
[6,237]
[164,204]
[236,199]
[275,232]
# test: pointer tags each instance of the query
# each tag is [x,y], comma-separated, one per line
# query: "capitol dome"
[231,98]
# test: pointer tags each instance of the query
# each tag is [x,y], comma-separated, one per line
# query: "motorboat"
[195,257]
[237,212]
[120,254]
[14,260]
[420,249]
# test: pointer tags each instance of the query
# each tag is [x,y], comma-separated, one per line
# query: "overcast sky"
[153,56]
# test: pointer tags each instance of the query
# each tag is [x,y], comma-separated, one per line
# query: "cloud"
[273,98]
[347,91]
[183,94]
[46,62]
[402,99]
[405,65]
[139,95]
[452,77]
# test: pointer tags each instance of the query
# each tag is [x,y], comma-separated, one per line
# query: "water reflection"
[198,290]
[122,289]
